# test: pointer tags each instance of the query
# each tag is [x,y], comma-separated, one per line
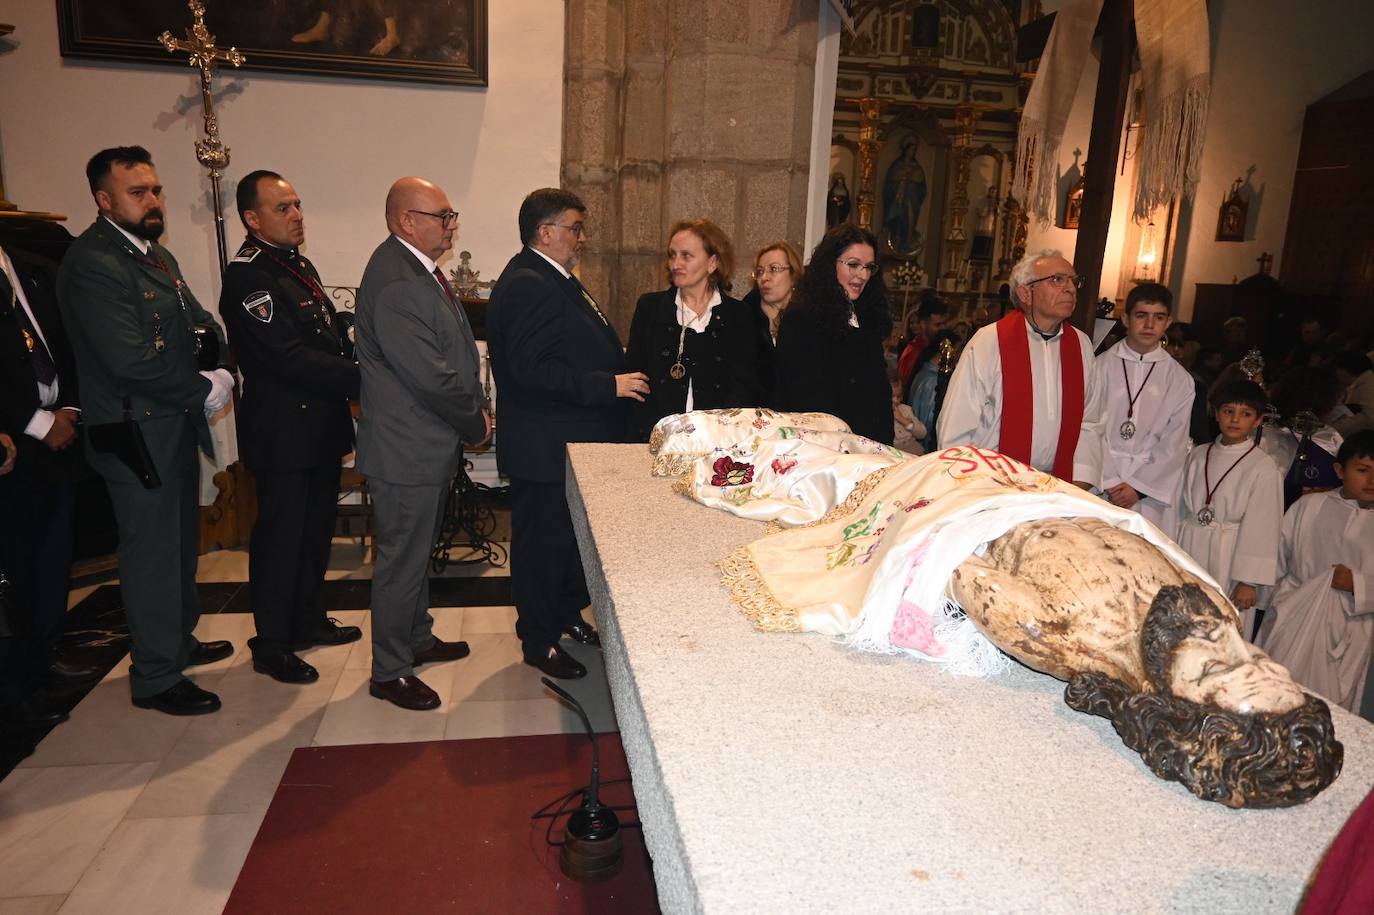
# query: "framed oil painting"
[428,41]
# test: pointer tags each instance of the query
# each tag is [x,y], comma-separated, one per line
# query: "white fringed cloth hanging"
[1174,48]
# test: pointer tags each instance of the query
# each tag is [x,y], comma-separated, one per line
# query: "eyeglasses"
[1060,279]
[448,217]
[577,228]
[855,265]
[759,273]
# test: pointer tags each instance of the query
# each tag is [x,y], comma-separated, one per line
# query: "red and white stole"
[1018,394]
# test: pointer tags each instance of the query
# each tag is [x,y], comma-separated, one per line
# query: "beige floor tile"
[448,625]
[490,620]
[231,762]
[180,866]
[354,716]
[495,671]
[515,718]
[32,905]
[53,822]
[223,565]
[107,728]
[77,595]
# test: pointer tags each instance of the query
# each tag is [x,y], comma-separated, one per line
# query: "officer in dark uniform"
[294,423]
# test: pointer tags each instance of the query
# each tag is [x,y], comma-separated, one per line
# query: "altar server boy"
[1323,609]
[1149,403]
[1231,501]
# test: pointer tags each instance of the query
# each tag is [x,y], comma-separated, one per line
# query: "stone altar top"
[787,773]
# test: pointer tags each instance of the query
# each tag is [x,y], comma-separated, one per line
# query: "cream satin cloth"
[681,438]
[874,569]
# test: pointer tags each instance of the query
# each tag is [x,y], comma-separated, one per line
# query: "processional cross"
[210,152]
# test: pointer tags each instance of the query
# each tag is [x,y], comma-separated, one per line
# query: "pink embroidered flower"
[759,422]
[730,473]
[913,628]
[919,503]
[783,465]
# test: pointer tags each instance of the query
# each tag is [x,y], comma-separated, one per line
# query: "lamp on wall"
[1147,262]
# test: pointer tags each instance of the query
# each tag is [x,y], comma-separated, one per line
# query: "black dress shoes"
[183,699]
[330,632]
[67,672]
[285,667]
[406,692]
[442,651]
[583,633]
[30,716]
[555,662]
[209,653]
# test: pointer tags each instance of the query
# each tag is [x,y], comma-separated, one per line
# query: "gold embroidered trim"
[774,527]
[856,497]
[674,465]
[685,486]
[751,595]
[655,440]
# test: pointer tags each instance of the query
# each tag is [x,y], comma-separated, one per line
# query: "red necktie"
[448,292]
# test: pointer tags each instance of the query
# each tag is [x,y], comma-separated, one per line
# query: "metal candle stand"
[468,524]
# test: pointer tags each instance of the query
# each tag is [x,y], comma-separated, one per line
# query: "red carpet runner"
[434,827]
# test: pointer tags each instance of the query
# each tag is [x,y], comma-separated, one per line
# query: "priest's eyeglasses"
[577,228]
[759,273]
[1061,280]
[448,217]
[855,265]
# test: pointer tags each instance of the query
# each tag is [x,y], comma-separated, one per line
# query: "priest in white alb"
[1026,386]
[1149,400]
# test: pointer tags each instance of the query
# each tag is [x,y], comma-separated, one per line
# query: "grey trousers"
[406,523]
[159,546]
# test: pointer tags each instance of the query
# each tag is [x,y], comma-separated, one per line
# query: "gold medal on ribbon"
[677,370]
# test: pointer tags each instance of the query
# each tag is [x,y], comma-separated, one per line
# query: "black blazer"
[18,385]
[294,412]
[555,362]
[721,362]
[766,349]
[845,376]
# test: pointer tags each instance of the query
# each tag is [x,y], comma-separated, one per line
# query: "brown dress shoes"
[442,651]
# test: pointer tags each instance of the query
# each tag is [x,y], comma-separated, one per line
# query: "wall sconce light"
[1147,263]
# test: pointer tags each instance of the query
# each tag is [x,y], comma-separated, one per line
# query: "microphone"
[592,849]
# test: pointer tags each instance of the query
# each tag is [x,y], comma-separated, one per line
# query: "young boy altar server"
[1231,501]
[1149,403]
[1323,608]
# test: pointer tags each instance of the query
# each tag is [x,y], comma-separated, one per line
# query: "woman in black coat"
[697,344]
[830,343]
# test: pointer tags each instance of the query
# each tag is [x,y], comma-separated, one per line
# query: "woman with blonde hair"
[695,342]
[777,271]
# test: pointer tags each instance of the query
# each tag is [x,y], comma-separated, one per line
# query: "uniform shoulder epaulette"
[245,256]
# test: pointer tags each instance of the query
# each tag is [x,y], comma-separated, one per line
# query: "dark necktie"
[43,367]
[448,292]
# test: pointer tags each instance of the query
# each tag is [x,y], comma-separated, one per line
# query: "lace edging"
[751,595]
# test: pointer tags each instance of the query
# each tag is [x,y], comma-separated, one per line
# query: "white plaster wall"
[1270,60]
[340,142]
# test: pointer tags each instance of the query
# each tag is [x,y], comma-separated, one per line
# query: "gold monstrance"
[210,152]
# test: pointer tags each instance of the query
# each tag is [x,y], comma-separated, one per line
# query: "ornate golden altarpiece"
[928,101]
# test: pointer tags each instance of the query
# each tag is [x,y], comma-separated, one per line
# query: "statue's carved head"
[1223,719]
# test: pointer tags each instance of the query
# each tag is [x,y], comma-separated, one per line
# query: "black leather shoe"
[285,667]
[66,672]
[583,633]
[406,692]
[330,632]
[30,716]
[442,651]
[209,653]
[183,699]
[560,665]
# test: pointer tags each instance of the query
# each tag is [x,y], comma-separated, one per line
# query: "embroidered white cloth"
[679,439]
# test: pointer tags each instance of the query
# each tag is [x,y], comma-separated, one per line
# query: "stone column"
[675,110]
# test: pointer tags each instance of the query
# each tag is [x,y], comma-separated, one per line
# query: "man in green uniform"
[130,317]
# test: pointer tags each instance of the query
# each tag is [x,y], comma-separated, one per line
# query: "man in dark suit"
[421,400]
[294,423]
[129,314]
[38,399]
[560,370]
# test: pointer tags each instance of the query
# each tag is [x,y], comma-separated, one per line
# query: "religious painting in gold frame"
[428,41]
[1232,217]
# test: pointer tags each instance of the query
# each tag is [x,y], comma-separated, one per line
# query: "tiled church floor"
[128,810]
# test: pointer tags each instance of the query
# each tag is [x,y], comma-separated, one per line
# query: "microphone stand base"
[591,860]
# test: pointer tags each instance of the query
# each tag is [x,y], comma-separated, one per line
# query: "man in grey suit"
[129,315]
[421,400]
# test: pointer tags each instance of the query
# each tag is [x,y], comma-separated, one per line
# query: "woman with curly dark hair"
[830,342]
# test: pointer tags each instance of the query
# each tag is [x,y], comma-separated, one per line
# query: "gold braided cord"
[741,575]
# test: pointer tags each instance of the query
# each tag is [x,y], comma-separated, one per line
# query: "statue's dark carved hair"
[1258,760]
[1176,613]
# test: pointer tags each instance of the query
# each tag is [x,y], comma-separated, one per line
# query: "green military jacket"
[130,326]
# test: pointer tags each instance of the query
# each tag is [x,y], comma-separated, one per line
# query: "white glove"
[221,388]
